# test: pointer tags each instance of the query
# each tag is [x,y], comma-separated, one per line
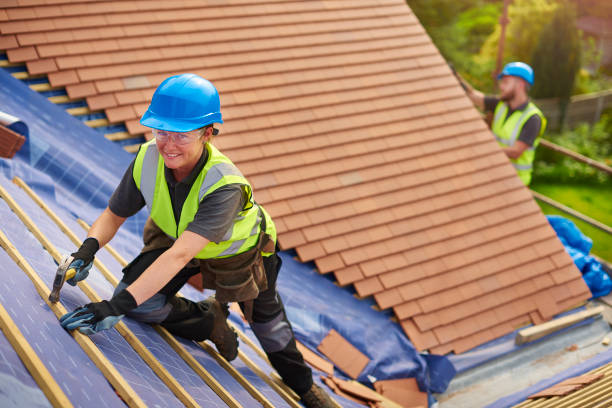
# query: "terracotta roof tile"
[135,128]
[62,78]
[422,341]
[311,251]
[329,263]
[293,239]
[120,114]
[388,298]
[578,287]
[20,13]
[561,259]
[469,342]
[536,317]
[334,387]
[405,310]
[367,287]
[22,54]
[547,305]
[314,359]
[373,267]
[66,36]
[41,66]
[79,91]
[109,85]
[574,301]
[568,386]
[543,282]
[348,275]
[99,102]
[355,135]
[564,274]
[343,354]
[8,41]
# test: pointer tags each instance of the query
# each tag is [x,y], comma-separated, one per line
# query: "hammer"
[62,274]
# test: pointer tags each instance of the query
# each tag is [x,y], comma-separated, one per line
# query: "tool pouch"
[154,238]
[239,278]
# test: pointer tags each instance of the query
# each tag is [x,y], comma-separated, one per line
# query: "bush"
[594,142]
[592,77]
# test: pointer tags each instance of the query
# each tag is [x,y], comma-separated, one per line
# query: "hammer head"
[61,275]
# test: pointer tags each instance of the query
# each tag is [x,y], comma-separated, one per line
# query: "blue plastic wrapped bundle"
[578,246]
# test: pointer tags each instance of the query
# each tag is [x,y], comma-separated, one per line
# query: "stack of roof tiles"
[355,134]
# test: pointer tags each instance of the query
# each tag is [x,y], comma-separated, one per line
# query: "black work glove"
[94,317]
[83,260]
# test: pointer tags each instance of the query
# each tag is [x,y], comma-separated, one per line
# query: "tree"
[458,29]
[527,18]
[435,13]
[556,58]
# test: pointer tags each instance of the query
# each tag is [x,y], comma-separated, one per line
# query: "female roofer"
[203,219]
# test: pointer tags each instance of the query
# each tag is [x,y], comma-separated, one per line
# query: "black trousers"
[194,321]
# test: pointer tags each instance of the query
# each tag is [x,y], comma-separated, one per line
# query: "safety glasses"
[177,137]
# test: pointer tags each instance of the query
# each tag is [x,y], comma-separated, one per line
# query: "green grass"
[592,201]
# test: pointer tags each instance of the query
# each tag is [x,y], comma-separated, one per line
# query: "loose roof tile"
[334,387]
[355,134]
[314,359]
[343,354]
[357,389]
[404,391]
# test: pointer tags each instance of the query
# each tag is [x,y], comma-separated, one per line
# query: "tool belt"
[241,277]
[237,278]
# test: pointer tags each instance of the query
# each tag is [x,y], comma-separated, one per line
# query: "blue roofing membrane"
[81,166]
[66,361]
[135,371]
[14,375]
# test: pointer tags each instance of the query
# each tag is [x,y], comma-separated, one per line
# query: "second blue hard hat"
[183,103]
[518,69]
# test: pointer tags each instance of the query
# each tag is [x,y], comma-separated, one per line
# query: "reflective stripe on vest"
[219,171]
[507,130]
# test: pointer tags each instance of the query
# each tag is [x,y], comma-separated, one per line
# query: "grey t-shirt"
[530,130]
[216,212]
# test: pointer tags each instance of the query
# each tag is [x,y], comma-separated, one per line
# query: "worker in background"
[203,219]
[517,123]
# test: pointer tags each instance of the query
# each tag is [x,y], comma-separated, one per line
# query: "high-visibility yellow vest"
[507,131]
[218,171]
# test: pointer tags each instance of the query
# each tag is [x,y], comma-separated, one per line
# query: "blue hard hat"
[183,103]
[518,69]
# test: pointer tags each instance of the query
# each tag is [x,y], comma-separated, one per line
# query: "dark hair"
[215,130]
